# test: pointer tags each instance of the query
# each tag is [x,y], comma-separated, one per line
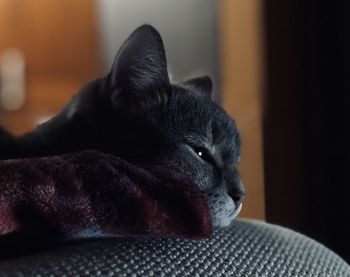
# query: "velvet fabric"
[60,197]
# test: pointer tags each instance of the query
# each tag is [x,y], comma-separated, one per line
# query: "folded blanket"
[94,194]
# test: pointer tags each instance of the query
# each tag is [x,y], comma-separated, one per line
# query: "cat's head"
[176,126]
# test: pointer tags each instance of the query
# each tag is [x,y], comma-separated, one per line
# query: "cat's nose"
[236,190]
[238,199]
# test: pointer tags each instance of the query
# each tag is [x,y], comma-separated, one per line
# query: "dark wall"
[307,119]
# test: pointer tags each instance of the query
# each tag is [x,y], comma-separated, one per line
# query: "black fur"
[136,113]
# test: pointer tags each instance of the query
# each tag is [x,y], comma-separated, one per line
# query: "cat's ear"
[203,85]
[140,64]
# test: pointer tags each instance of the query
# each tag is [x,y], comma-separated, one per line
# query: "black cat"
[137,114]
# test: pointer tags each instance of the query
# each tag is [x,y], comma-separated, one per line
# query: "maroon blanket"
[90,193]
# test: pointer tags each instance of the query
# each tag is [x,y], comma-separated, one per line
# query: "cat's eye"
[204,154]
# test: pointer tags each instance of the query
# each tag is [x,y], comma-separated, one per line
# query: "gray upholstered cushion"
[246,248]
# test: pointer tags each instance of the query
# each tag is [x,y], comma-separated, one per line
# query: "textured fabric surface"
[90,192]
[246,248]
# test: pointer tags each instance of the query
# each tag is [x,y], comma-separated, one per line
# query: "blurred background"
[281,69]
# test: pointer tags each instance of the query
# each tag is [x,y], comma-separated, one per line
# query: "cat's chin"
[224,221]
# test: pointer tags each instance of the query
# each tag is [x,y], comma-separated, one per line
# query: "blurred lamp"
[12,79]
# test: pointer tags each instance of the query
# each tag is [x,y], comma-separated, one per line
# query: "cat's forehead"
[199,117]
